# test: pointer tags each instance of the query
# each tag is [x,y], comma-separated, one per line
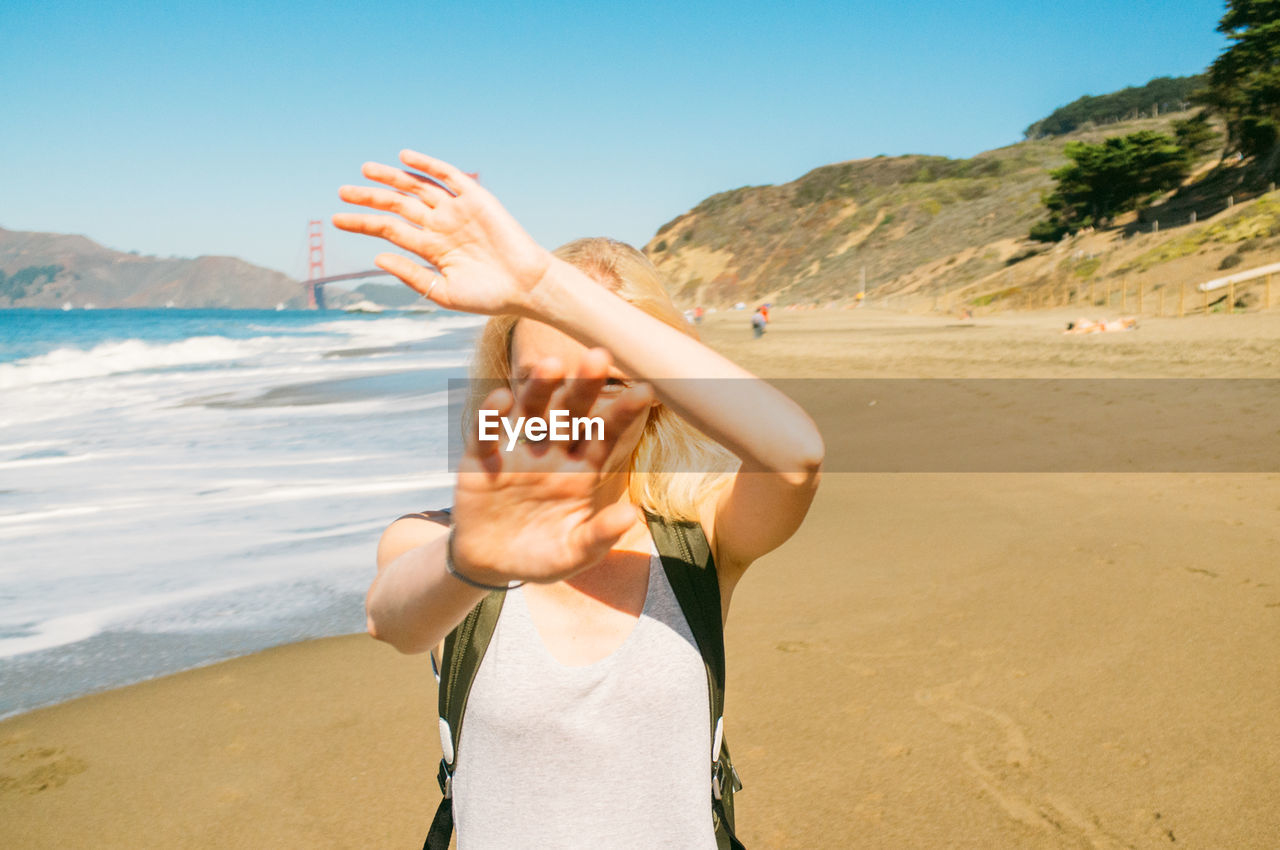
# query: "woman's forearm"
[762,426]
[414,602]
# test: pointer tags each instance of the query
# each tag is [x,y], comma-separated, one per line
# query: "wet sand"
[974,660]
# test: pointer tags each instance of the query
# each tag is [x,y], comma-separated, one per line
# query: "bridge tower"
[315,264]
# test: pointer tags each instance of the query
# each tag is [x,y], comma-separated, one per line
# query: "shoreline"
[121,648]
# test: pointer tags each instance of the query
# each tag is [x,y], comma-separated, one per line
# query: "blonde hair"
[674,465]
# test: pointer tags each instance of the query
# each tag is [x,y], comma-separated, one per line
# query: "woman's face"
[532,342]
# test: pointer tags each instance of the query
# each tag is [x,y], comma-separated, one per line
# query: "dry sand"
[960,661]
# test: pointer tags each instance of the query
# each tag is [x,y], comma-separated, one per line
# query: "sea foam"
[130,355]
[166,501]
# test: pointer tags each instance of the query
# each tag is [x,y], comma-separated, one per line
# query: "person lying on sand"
[1093,326]
[587,723]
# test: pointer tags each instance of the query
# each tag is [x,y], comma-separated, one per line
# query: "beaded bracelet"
[453,571]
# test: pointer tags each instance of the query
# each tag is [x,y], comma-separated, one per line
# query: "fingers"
[541,384]
[580,394]
[618,417]
[449,175]
[427,190]
[500,400]
[403,205]
[423,280]
[599,534]
[393,230]
[426,243]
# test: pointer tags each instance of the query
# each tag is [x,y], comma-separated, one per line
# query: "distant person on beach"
[1095,326]
[697,315]
[759,321]
[587,720]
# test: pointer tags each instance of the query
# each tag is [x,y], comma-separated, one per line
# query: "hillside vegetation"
[1161,95]
[920,226]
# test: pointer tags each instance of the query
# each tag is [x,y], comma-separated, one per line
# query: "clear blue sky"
[221,128]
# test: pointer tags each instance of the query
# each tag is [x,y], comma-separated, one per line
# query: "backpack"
[689,567]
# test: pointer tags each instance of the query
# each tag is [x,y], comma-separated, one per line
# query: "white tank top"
[614,754]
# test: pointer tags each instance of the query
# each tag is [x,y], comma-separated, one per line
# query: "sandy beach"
[1084,660]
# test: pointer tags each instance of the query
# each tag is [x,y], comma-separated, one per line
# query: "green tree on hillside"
[1113,176]
[1244,82]
[27,280]
[1196,136]
[1163,94]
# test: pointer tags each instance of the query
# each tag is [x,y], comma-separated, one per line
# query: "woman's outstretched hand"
[536,513]
[487,262]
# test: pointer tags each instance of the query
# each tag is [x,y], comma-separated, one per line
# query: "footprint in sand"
[35,754]
[1047,813]
[1127,757]
[14,738]
[944,703]
[870,808]
[1155,825]
[39,769]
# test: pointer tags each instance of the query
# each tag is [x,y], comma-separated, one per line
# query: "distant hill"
[923,228]
[50,269]
[1161,95]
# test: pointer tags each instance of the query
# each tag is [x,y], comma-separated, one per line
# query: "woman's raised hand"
[540,512]
[487,262]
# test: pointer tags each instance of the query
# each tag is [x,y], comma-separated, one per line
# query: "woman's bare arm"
[414,602]
[779,445]
[766,430]
[488,264]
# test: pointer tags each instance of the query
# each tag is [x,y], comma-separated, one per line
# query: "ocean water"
[182,486]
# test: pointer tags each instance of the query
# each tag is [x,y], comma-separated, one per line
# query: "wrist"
[559,285]
[470,572]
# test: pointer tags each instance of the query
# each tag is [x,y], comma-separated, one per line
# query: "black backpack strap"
[443,516]
[464,649]
[691,571]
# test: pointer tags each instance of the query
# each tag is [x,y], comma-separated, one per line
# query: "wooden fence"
[1145,298]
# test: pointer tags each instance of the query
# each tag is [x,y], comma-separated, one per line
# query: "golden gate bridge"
[316,278]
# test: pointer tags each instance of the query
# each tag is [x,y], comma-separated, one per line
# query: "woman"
[587,718]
